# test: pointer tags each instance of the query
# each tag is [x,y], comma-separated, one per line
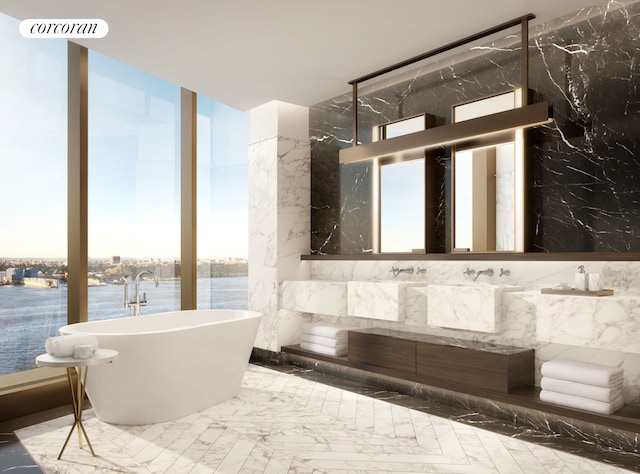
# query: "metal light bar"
[407,145]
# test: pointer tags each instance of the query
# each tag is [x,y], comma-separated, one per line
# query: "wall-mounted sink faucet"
[398,271]
[469,272]
[488,272]
[505,272]
[136,302]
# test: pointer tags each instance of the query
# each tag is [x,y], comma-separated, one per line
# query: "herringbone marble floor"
[280,423]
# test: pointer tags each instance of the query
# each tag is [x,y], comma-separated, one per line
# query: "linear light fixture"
[485,126]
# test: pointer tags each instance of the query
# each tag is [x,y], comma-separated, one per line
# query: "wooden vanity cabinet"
[467,366]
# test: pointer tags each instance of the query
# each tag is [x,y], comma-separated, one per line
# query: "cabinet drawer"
[457,367]
[382,351]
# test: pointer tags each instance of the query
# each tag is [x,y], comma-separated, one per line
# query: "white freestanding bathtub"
[169,365]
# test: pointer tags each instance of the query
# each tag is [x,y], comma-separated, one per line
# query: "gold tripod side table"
[101,356]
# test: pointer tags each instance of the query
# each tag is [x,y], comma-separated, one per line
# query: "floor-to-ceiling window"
[133,190]
[33,209]
[133,196]
[222,209]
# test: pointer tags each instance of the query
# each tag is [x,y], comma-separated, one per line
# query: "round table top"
[101,356]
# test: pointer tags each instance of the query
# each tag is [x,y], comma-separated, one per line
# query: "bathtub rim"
[73,328]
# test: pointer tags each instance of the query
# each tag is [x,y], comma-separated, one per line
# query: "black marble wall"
[585,188]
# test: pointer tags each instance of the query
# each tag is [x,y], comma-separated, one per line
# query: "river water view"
[28,316]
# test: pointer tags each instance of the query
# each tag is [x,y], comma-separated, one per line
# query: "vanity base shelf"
[627,418]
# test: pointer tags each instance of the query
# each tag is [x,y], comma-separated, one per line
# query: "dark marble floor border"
[14,458]
[586,440]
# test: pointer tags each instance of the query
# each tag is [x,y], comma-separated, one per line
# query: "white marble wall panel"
[279,216]
[293,207]
[263,221]
[315,296]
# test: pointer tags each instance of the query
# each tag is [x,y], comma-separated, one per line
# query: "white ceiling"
[248,52]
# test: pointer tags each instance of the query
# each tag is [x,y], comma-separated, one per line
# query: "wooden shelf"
[574,292]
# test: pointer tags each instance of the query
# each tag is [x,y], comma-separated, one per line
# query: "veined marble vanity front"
[376,299]
[472,307]
[381,300]
[315,296]
[608,322]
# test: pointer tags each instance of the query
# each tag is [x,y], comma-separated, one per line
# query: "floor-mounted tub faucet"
[136,302]
[126,280]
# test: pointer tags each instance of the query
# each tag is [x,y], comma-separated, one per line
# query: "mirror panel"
[399,193]
[402,206]
[488,183]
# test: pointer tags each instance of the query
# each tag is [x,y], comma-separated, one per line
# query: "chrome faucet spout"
[488,272]
[398,271]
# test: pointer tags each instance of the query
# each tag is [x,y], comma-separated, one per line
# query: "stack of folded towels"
[324,339]
[585,386]
[78,346]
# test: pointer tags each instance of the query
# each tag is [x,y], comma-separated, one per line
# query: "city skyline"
[123,259]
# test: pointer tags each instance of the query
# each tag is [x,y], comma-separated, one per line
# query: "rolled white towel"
[338,342]
[324,330]
[581,403]
[320,349]
[603,394]
[63,346]
[582,372]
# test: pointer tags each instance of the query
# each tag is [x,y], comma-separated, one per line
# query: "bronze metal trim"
[77,175]
[442,49]
[188,200]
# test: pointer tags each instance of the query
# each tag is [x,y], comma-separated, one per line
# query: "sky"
[133,159]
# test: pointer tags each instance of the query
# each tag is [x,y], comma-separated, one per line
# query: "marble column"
[279,215]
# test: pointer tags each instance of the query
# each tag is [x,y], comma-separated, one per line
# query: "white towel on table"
[581,403]
[320,349]
[603,394]
[62,346]
[338,343]
[582,372]
[324,330]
